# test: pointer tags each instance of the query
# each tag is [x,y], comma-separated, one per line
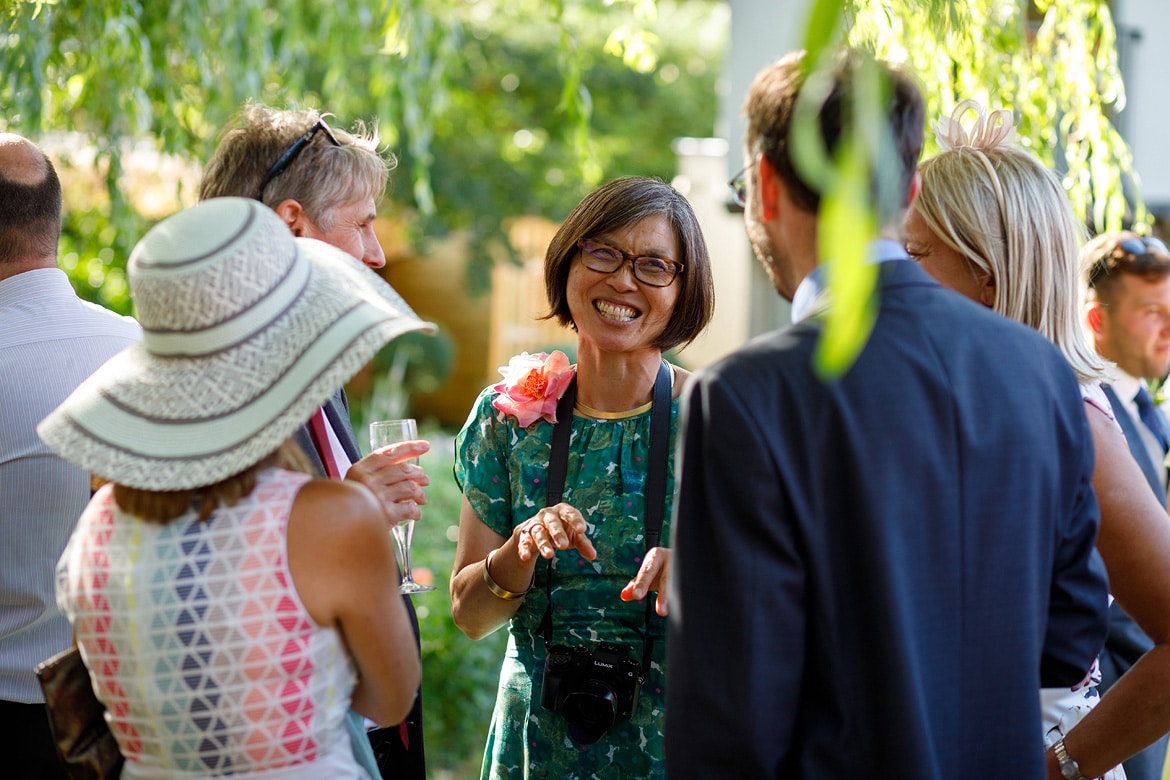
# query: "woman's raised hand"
[553,528]
[395,477]
[652,576]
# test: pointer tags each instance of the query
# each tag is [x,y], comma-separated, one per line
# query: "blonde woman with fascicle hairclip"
[994,224]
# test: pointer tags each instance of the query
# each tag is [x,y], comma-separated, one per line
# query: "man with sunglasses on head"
[1129,315]
[325,183]
[1128,280]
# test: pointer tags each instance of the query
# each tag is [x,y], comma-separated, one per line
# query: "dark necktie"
[1148,413]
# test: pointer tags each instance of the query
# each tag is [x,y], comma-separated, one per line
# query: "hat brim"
[177,422]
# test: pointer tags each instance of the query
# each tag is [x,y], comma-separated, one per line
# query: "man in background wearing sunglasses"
[1128,280]
[1129,314]
[325,183]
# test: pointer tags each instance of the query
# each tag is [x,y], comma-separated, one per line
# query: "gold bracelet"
[494,587]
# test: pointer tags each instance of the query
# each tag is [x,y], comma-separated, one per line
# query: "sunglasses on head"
[290,154]
[1140,245]
[1135,247]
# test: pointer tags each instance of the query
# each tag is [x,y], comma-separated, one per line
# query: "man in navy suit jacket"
[1128,279]
[874,575]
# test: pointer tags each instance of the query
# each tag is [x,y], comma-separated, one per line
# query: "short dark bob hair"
[621,203]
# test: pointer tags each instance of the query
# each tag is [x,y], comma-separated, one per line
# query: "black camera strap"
[655,486]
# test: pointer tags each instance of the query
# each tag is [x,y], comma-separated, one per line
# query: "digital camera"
[590,688]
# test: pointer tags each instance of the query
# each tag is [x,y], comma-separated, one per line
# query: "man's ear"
[1095,316]
[987,293]
[293,215]
[770,185]
[915,188]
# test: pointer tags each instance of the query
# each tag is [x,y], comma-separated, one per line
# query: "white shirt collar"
[1124,385]
[36,282]
[811,296]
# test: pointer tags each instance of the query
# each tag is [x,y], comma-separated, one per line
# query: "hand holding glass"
[384,433]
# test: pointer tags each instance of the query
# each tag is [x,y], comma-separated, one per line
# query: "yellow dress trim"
[597,414]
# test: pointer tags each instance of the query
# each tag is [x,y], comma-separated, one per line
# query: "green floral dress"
[501,468]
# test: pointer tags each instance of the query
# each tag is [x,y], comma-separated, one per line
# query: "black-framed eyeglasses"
[738,185]
[290,154]
[648,269]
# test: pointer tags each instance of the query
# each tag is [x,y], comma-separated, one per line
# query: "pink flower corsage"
[532,386]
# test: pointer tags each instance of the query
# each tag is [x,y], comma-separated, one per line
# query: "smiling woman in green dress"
[629,271]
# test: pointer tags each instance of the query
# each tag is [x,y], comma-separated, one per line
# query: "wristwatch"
[1068,767]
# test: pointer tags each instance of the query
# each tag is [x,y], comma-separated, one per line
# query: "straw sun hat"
[247,330]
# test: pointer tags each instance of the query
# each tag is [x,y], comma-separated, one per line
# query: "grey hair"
[323,177]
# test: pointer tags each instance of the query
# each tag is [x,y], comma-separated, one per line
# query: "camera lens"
[589,711]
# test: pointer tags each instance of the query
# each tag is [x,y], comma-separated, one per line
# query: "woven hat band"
[243,326]
[136,432]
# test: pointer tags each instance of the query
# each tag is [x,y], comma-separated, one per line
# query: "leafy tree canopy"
[494,108]
[504,107]
[1053,63]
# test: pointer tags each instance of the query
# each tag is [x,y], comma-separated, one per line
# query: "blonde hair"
[1006,214]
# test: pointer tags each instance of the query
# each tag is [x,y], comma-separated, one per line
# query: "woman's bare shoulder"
[338,504]
[337,539]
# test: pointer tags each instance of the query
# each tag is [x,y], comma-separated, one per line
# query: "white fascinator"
[990,129]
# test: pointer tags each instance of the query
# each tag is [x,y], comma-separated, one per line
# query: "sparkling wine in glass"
[383,433]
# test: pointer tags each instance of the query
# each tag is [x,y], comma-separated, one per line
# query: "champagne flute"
[383,433]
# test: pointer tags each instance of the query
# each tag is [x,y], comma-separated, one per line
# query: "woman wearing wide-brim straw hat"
[230,608]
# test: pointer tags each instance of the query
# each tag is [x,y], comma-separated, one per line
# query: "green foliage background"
[506,107]
[1053,63]
[494,108]
[497,108]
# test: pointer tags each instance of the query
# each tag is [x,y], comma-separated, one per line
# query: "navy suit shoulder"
[1153,472]
[885,544]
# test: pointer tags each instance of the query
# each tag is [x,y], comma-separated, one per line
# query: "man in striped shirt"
[50,340]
